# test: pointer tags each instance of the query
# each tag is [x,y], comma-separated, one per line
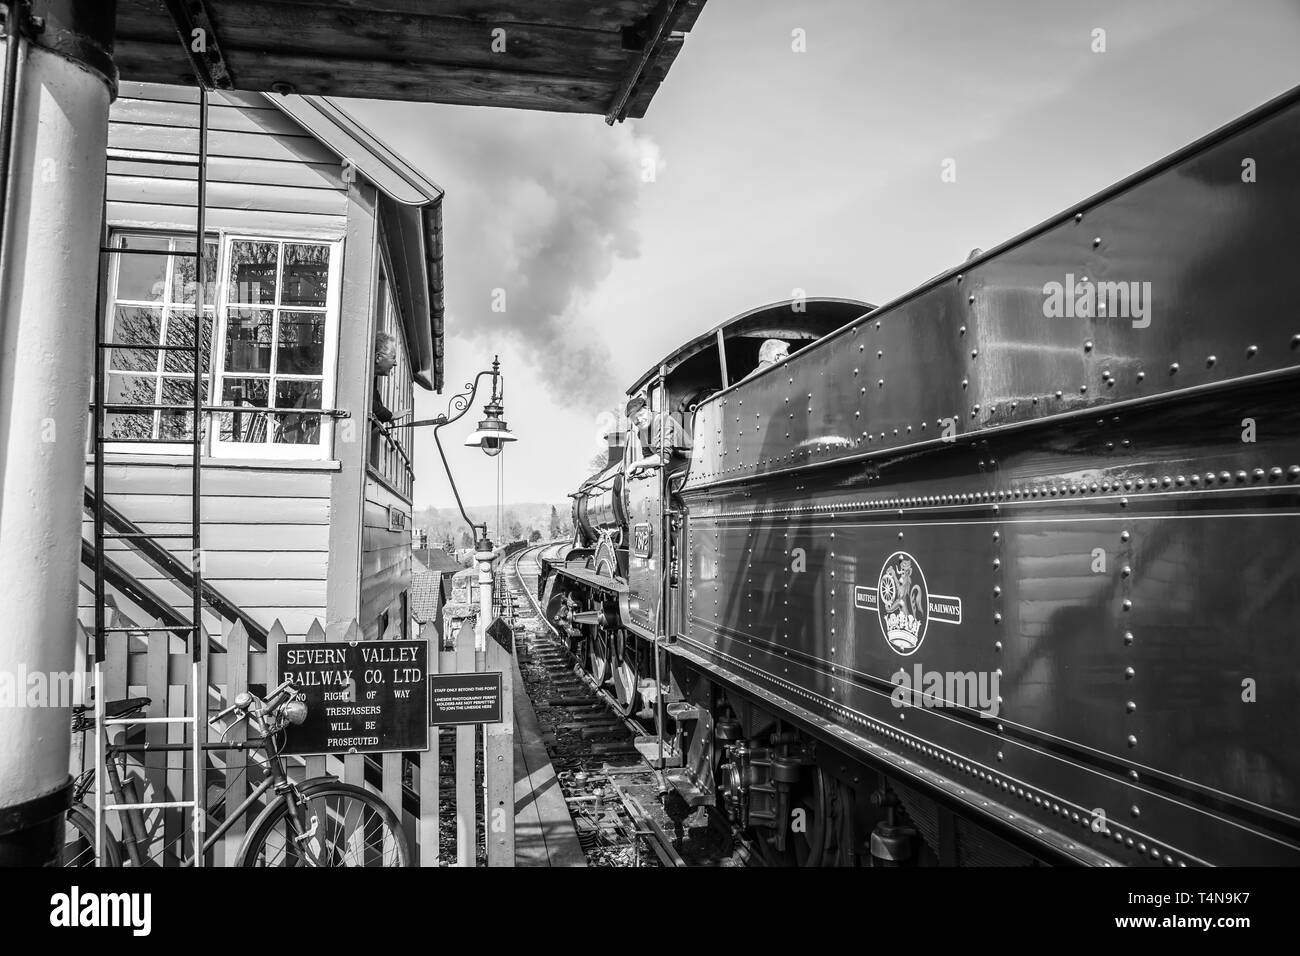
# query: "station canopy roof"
[576,56]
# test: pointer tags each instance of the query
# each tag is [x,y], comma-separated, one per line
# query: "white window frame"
[116,234]
[323,449]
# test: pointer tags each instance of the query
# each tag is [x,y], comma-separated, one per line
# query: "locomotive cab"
[722,360]
[622,588]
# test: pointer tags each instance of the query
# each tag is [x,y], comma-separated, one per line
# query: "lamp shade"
[491,435]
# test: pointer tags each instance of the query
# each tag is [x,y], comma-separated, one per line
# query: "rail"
[643,825]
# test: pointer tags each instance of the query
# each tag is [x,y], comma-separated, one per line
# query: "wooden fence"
[156,665]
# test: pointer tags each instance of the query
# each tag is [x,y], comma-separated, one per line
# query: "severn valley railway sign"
[367,697]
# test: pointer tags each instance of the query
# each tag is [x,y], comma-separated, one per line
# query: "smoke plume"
[537,210]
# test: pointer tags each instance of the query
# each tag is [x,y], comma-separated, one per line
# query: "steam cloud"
[545,206]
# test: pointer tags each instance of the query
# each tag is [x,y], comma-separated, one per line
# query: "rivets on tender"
[1129,673]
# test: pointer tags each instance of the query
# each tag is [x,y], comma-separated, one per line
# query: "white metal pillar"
[48,277]
[484,559]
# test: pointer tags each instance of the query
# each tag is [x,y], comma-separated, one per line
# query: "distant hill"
[518,520]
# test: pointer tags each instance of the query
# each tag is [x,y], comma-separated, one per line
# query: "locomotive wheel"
[627,678]
[820,840]
[556,615]
[601,647]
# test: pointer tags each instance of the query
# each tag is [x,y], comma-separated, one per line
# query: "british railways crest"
[904,605]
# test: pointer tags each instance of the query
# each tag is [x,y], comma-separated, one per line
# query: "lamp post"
[491,436]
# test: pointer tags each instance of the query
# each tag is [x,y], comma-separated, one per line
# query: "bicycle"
[321,822]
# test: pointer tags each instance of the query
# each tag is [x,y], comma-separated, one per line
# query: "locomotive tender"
[1003,571]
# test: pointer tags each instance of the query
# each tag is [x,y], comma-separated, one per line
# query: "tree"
[465,541]
[535,536]
[556,530]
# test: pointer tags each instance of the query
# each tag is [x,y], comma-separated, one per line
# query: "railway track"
[613,793]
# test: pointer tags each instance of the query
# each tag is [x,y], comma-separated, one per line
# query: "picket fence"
[156,665]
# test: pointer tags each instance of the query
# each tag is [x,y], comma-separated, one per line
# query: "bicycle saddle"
[116,708]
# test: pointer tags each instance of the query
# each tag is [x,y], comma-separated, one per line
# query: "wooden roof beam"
[199,41]
[652,33]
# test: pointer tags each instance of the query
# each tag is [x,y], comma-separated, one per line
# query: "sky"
[796,145]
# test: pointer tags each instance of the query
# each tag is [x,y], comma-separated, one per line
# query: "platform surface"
[544,832]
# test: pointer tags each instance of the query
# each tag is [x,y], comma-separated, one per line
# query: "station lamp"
[492,432]
[491,435]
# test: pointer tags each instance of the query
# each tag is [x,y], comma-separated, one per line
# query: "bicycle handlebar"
[246,703]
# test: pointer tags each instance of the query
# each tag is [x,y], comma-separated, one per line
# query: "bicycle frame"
[133,825]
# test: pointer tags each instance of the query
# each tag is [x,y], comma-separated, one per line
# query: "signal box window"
[153,284]
[390,449]
[276,347]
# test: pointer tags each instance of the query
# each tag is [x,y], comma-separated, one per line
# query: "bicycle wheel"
[79,840]
[345,826]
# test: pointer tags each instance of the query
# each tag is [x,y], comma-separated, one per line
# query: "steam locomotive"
[1001,572]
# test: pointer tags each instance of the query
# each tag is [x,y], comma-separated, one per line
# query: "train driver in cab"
[677,441]
[771,352]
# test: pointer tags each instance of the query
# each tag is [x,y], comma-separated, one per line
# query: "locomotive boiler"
[1001,571]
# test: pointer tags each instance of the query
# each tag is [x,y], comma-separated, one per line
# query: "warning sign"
[367,697]
[465,698]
